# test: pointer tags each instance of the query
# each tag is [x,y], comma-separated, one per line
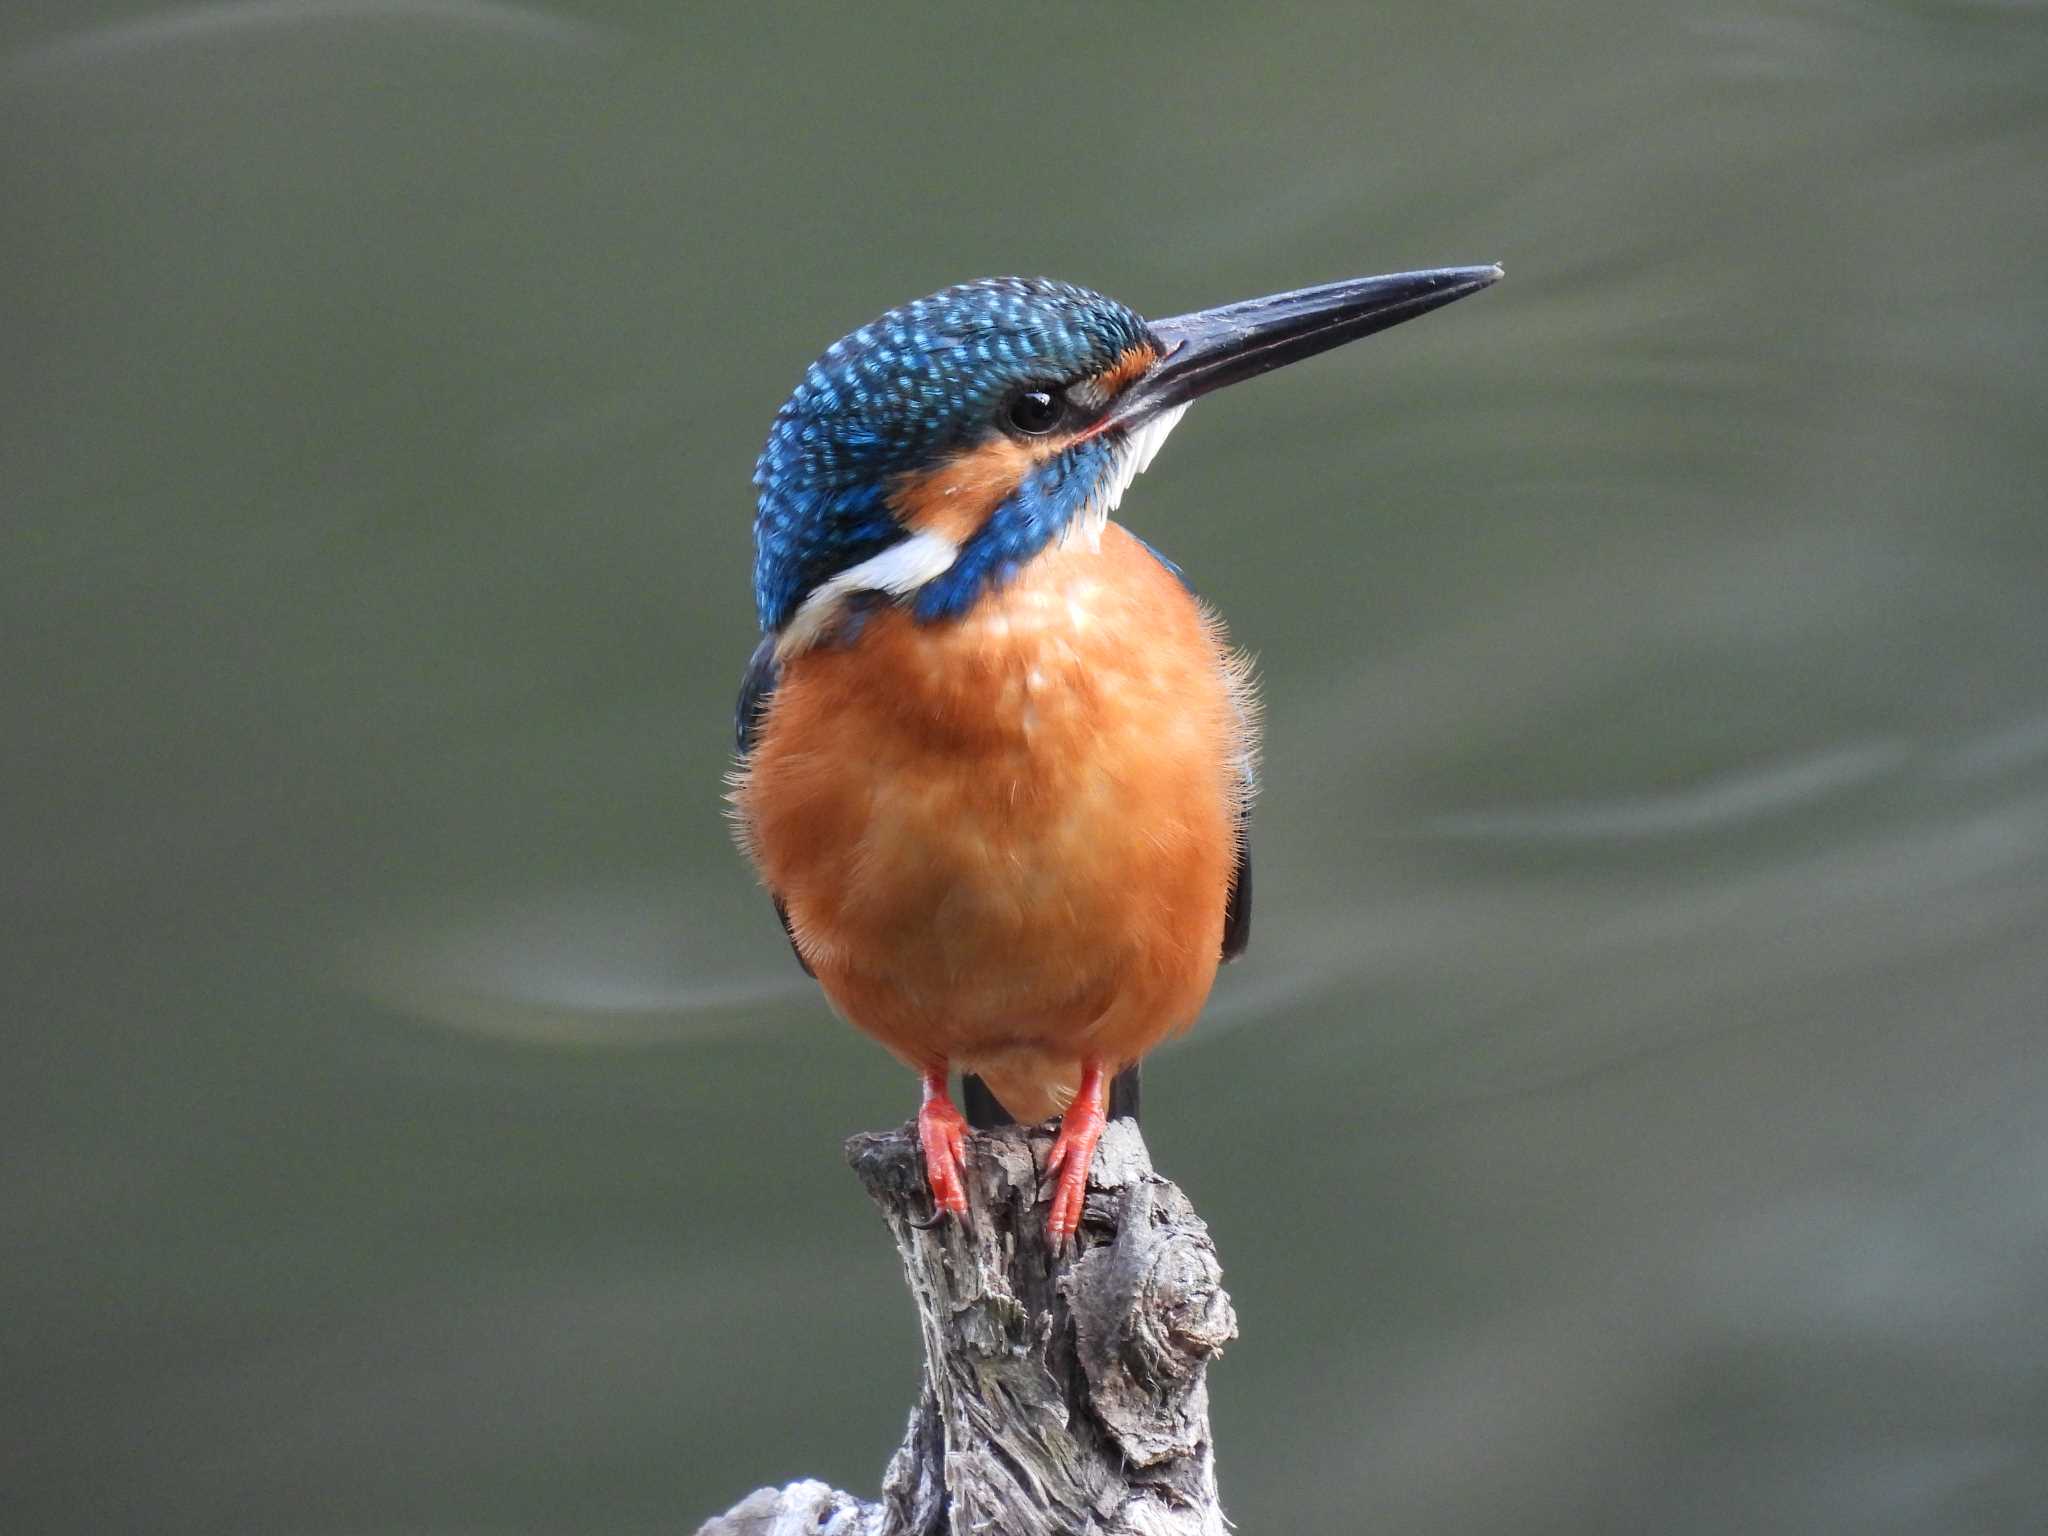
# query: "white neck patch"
[902,567]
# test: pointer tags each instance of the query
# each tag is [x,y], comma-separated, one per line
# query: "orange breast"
[1007,841]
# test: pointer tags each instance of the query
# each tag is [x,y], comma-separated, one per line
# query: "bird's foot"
[942,1133]
[1073,1153]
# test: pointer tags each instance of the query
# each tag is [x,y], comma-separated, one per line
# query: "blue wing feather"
[757,687]
[1237,912]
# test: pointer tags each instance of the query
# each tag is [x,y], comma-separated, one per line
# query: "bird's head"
[932,452]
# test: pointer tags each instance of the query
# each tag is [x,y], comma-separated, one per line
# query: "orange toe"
[942,1133]
[1072,1155]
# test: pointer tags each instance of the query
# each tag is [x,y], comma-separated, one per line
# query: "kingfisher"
[996,759]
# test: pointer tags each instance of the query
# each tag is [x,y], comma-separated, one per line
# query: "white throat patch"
[1132,459]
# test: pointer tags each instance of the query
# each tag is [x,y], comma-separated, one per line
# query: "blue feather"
[903,393]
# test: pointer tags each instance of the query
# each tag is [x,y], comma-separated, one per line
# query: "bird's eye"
[1037,411]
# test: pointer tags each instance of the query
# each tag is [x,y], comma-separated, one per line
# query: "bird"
[995,757]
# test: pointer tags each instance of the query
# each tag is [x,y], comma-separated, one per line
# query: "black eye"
[1037,411]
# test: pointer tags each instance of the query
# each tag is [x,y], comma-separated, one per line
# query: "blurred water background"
[1633,1113]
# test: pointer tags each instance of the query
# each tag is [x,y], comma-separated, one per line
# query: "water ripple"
[1726,801]
[236,19]
[578,968]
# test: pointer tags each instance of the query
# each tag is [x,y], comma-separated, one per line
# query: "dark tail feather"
[1123,1094]
[984,1113]
[980,1106]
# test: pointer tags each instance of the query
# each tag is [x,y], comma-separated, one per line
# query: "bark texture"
[1061,1397]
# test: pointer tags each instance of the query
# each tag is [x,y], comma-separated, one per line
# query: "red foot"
[943,1135]
[1073,1151]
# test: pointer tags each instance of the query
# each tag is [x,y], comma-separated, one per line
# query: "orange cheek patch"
[1135,360]
[955,499]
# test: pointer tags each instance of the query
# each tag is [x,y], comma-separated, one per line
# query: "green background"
[1633,1113]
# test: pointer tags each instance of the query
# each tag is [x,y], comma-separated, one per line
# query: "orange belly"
[1006,842]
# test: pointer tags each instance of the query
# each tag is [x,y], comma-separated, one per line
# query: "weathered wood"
[1060,1398]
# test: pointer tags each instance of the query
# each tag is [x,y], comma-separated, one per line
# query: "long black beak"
[1214,347]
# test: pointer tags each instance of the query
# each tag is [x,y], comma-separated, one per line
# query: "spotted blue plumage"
[902,393]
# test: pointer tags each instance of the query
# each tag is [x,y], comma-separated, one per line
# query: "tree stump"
[1060,1397]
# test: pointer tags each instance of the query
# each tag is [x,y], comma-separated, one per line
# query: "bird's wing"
[1237,907]
[789,933]
[1237,911]
[757,687]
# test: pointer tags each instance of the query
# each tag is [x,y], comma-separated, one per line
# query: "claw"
[1072,1154]
[942,1133]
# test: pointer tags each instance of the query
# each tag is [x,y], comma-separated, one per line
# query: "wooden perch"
[1059,1398]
